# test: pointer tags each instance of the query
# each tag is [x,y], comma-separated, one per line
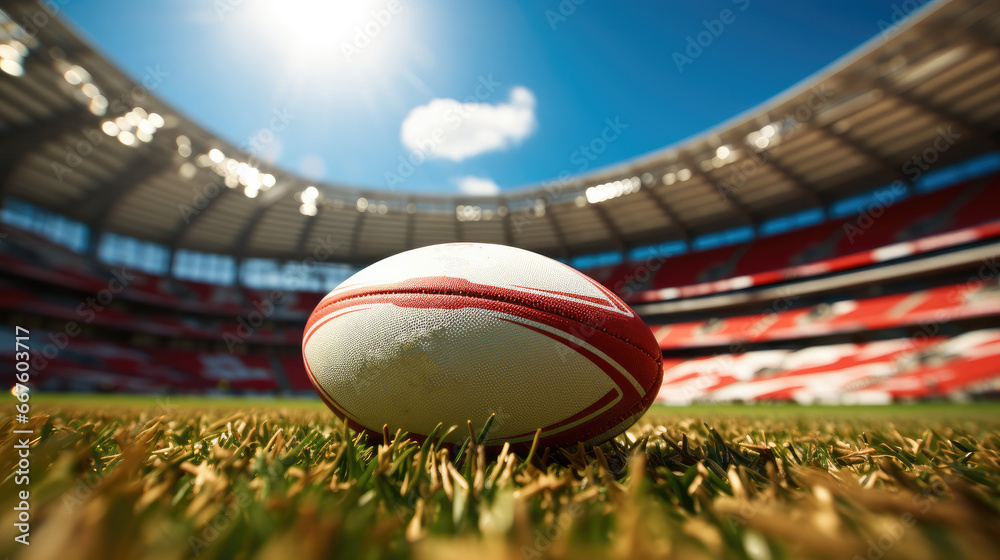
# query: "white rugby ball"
[457,332]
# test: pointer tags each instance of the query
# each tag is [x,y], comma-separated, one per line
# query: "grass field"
[125,477]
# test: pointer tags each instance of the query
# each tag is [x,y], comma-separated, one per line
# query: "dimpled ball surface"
[458,332]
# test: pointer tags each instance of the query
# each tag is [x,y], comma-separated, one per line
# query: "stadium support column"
[860,148]
[616,235]
[18,141]
[801,184]
[557,231]
[727,195]
[242,237]
[302,245]
[102,207]
[411,225]
[456,224]
[675,221]
[508,232]
[356,236]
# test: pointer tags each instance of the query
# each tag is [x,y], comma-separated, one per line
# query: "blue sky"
[551,75]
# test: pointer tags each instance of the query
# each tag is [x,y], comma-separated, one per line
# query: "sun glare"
[333,31]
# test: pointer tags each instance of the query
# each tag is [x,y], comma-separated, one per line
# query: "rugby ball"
[458,332]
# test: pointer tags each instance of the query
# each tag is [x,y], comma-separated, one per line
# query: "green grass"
[126,477]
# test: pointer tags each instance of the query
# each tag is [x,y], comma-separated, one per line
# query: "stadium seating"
[952,216]
[867,373]
[198,343]
[943,303]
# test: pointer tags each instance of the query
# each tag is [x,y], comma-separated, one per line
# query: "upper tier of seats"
[951,216]
[976,298]
[817,249]
[868,373]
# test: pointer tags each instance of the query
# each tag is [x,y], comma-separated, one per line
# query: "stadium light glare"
[216,155]
[669,178]
[8,52]
[127,138]
[143,136]
[99,105]
[19,47]
[312,193]
[316,26]
[132,118]
[90,90]
[156,120]
[12,67]
[684,174]
[146,126]
[188,170]
[615,189]
[308,209]
[362,204]
[110,128]
[267,181]
[75,75]
[722,152]
[539,208]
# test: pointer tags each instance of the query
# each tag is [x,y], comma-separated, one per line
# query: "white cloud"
[473,185]
[454,130]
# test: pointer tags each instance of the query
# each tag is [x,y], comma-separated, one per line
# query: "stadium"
[819,272]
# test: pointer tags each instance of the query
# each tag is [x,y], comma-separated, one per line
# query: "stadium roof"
[80,138]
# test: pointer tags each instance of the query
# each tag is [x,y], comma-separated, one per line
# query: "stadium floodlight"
[308,209]
[362,204]
[468,213]
[12,67]
[133,117]
[76,75]
[146,126]
[90,90]
[684,174]
[126,137]
[216,155]
[110,128]
[156,120]
[188,170]
[12,56]
[99,105]
[614,189]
